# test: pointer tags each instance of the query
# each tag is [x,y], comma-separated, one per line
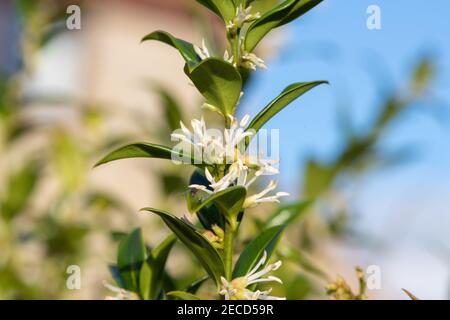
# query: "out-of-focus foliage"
[360,152]
[39,242]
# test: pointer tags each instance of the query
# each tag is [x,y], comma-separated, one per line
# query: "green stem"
[228,250]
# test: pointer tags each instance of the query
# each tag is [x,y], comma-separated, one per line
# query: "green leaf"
[223,8]
[254,251]
[152,270]
[146,150]
[185,48]
[181,295]
[278,16]
[228,201]
[132,254]
[288,95]
[219,82]
[196,243]
[287,214]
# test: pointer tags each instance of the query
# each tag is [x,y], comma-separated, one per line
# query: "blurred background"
[372,149]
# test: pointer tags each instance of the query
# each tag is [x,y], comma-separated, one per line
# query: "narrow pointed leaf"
[223,8]
[195,242]
[181,295]
[152,270]
[254,251]
[132,254]
[219,82]
[282,14]
[288,95]
[185,48]
[145,150]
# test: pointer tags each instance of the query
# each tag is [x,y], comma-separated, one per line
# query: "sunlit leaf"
[145,150]
[185,48]
[195,242]
[219,82]
[253,252]
[223,8]
[288,95]
[282,14]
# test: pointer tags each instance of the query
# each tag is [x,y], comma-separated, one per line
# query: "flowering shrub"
[220,188]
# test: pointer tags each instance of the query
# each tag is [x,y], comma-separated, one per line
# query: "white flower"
[121,294]
[251,61]
[229,150]
[205,143]
[261,197]
[236,289]
[243,15]
[202,52]
[211,145]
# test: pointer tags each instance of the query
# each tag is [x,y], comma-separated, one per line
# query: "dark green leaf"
[196,243]
[132,254]
[181,295]
[254,251]
[278,16]
[219,82]
[152,270]
[146,150]
[185,48]
[288,95]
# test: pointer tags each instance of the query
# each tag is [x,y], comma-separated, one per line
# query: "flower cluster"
[237,289]
[243,15]
[228,149]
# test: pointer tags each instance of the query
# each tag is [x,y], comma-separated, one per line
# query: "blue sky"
[333,43]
